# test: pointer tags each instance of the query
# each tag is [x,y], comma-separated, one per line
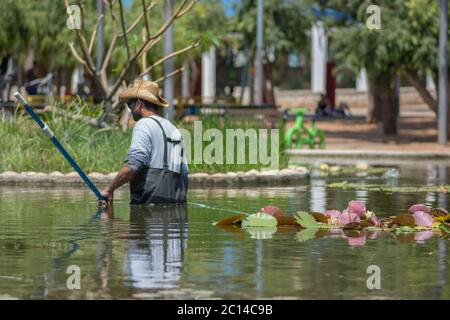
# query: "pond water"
[175,252]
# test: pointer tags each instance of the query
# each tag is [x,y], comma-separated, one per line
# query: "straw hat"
[144,90]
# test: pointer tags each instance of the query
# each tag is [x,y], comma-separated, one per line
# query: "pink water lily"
[418,207]
[346,217]
[272,210]
[357,207]
[423,219]
[332,213]
[374,220]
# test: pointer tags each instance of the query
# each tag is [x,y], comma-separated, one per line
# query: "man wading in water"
[155,164]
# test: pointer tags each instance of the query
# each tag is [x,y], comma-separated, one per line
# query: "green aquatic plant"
[345,185]
[259,219]
[306,220]
[354,222]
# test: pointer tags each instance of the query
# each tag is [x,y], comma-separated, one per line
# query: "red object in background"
[331,84]
[197,92]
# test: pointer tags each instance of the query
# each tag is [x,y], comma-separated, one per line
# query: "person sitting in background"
[343,109]
[323,106]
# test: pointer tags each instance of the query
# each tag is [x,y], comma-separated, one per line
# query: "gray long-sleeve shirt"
[147,146]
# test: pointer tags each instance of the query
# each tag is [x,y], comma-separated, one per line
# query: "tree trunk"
[374,109]
[389,110]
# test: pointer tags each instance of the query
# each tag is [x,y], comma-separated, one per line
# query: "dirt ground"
[417,131]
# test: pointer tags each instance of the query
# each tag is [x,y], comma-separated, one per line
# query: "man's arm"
[135,160]
[125,175]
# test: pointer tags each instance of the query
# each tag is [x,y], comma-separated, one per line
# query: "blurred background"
[365,71]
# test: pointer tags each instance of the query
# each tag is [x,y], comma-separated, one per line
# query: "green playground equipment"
[300,134]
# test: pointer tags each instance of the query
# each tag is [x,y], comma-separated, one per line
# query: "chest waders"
[153,185]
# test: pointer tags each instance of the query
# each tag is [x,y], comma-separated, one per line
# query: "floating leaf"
[305,220]
[435,225]
[236,219]
[352,226]
[438,212]
[373,229]
[405,229]
[286,221]
[405,219]
[442,219]
[365,224]
[445,227]
[320,217]
[259,220]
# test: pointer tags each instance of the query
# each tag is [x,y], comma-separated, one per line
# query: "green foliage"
[37,25]
[345,185]
[284,23]
[96,150]
[408,39]
[41,26]
[28,149]
[222,124]
[306,220]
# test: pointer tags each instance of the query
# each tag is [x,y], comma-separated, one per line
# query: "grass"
[24,147]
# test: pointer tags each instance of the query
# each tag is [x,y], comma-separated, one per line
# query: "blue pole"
[61,149]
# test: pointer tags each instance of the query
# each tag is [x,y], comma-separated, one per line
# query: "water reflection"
[155,245]
[137,251]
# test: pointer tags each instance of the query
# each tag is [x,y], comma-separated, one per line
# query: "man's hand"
[125,174]
[108,194]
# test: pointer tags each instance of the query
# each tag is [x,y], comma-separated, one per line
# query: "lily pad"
[259,220]
[305,220]
[445,227]
[320,217]
[405,219]
[352,226]
[286,221]
[405,229]
[236,219]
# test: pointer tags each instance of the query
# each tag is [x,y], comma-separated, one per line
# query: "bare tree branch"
[87,57]
[174,73]
[112,45]
[123,28]
[136,22]
[169,21]
[76,55]
[94,32]
[189,7]
[173,54]
[147,28]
